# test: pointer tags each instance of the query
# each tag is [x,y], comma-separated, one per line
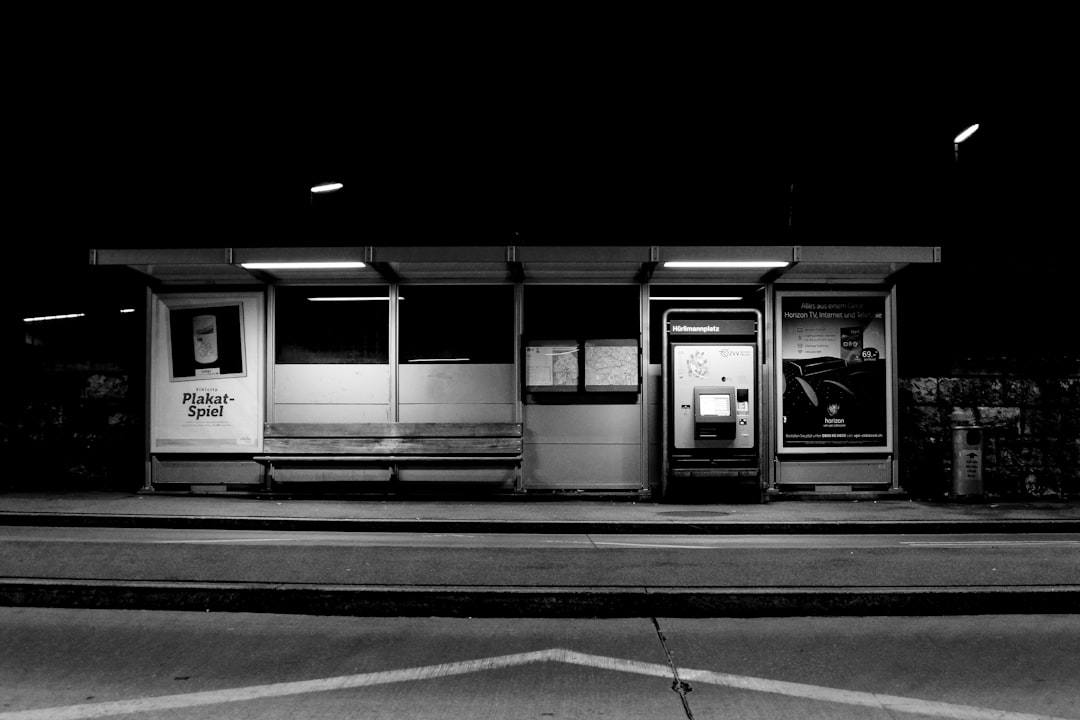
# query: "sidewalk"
[531,514]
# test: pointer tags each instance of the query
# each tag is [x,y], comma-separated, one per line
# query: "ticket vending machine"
[712,402]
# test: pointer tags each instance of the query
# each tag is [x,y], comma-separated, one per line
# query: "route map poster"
[611,365]
[602,365]
[552,366]
[206,389]
[835,392]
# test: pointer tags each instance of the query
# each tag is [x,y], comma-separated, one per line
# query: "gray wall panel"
[210,472]
[332,384]
[582,467]
[307,413]
[835,472]
[616,424]
[307,474]
[655,401]
[501,476]
[436,383]
[457,413]
[653,376]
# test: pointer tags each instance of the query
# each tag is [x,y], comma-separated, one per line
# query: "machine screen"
[714,405]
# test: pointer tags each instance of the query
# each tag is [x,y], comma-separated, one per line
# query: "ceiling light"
[43,318]
[301,265]
[348,299]
[326,187]
[966,134]
[726,264]
[694,297]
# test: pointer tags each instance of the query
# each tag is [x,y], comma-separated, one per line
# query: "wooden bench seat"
[390,445]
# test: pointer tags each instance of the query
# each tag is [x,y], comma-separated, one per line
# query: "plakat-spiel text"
[206,403]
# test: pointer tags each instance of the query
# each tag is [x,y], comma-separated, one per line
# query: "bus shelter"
[648,371]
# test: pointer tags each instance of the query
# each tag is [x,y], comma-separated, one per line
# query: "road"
[523,560]
[535,575]
[531,540]
[64,663]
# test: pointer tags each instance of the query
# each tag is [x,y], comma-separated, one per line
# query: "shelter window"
[456,324]
[326,325]
[582,311]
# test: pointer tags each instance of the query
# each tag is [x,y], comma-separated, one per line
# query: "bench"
[389,447]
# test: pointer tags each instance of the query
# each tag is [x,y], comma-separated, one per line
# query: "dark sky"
[134,146]
[244,180]
[171,149]
[174,129]
[143,143]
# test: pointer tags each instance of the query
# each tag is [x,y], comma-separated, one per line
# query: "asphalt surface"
[135,664]
[583,558]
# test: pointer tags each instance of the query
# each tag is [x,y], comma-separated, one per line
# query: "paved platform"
[645,578]
[533,514]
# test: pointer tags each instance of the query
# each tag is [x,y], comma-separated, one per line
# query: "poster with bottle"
[207,341]
[834,354]
[206,357]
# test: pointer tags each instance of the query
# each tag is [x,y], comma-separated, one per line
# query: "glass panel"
[316,325]
[581,311]
[456,323]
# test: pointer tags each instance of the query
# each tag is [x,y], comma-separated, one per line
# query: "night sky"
[177,151]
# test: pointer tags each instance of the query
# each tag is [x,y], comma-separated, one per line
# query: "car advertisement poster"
[834,380]
[206,381]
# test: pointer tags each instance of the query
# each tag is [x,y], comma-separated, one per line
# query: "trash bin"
[967,461]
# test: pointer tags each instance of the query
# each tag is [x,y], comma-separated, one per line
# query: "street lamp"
[961,138]
[324,188]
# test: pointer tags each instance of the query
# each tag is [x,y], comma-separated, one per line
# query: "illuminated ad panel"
[835,392]
[206,373]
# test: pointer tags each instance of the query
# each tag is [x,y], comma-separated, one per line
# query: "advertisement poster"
[207,341]
[206,381]
[834,380]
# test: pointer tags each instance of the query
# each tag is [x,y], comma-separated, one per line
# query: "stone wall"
[74,413]
[83,432]
[1031,412]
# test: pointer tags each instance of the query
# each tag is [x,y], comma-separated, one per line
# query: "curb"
[547,602]
[642,527]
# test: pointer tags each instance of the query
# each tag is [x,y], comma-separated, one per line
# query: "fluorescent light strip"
[349,299]
[43,318]
[439,360]
[726,263]
[698,297]
[327,187]
[127,310]
[301,265]
[966,134]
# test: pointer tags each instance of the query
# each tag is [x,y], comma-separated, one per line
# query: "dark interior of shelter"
[552,339]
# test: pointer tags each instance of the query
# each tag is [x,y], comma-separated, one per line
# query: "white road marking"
[887,703]
[674,546]
[256,692]
[237,541]
[985,543]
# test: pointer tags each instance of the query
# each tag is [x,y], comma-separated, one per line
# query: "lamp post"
[961,138]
